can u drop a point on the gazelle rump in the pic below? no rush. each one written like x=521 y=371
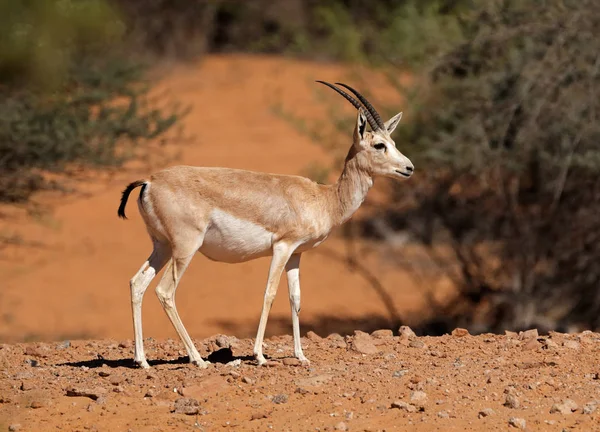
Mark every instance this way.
x=233 y=215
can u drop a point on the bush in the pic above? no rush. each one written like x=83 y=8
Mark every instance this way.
x=68 y=93
x=505 y=141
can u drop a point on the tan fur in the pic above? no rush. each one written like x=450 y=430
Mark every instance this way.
x=236 y=215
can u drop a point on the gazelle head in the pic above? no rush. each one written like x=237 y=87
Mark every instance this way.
x=375 y=150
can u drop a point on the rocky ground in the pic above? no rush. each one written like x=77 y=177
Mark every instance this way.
x=377 y=382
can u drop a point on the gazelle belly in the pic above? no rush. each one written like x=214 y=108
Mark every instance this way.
x=232 y=240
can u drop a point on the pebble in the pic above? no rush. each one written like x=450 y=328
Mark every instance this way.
x=460 y=332
x=486 y=412
x=529 y=334
x=443 y=414
x=341 y=426
x=416 y=344
x=126 y=344
x=247 y=380
x=187 y=406
x=516 y=422
x=259 y=415
x=404 y=406
x=363 y=343
x=418 y=398
x=590 y=407
x=312 y=336
x=14 y=427
x=567 y=406
x=280 y=398
x=383 y=334
x=406 y=332
x=92 y=393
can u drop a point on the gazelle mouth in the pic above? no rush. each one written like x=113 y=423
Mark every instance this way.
x=404 y=174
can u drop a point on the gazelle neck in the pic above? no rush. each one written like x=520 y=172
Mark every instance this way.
x=351 y=188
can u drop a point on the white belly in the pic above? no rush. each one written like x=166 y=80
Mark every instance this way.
x=232 y=240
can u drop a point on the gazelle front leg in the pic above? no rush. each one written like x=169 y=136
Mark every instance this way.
x=281 y=254
x=293 y=277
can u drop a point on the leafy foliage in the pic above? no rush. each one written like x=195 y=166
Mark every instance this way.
x=68 y=94
x=506 y=136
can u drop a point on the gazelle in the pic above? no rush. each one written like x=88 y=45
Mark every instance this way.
x=233 y=215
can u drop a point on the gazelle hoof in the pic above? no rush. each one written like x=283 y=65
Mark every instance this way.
x=203 y=364
x=143 y=364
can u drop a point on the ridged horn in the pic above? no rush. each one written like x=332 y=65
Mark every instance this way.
x=368 y=106
x=355 y=103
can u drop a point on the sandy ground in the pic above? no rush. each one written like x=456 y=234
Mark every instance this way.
x=65 y=292
x=357 y=383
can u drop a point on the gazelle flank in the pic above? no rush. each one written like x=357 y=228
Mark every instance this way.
x=233 y=215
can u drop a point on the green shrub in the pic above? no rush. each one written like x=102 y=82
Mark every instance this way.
x=69 y=93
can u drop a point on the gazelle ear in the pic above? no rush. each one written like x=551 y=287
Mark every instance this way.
x=361 y=126
x=391 y=124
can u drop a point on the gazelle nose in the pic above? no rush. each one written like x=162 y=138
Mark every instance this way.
x=410 y=168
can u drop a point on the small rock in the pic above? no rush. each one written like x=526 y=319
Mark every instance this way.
x=126 y=344
x=510 y=334
x=460 y=332
x=516 y=422
x=260 y=415
x=341 y=426
x=37 y=403
x=64 y=344
x=104 y=373
x=443 y=414
x=567 y=406
x=528 y=334
x=363 y=343
x=404 y=406
x=291 y=361
x=14 y=427
x=93 y=393
x=590 y=407
x=222 y=341
x=312 y=336
x=383 y=334
x=234 y=363
x=34 y=352
x=116 y=380
x=187 y=406
x=247 y=380
x=418 y=398
x=416 y=344
x=151 y=393
x=406 y=332
x=530 y=345
x=400 y=373
x=572 y=344
x=280 y=398
x=486 y=412
x=512 y=401
x=335 y=336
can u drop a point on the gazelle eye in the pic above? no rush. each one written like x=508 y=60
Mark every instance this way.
x=380 y=146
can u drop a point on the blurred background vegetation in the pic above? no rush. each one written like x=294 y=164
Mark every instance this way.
x=502 y=124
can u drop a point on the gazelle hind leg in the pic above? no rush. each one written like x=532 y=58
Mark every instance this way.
x=281 y=254
x=293 y=277
x=166 y=295
x=138 y=285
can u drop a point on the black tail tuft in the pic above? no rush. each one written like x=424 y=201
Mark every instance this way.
x=125 y=197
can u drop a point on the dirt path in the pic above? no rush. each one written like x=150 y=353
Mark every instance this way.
x=360 y=383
